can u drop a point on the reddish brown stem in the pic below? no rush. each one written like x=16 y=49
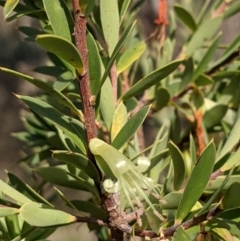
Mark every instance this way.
x=199 y=132
x=113 y=76
x=168 y=232
x=83 y=79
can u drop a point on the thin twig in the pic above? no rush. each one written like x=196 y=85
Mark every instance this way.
x=113 y=76
x=227 y=61
x=83 y=79
x=168 y=232
x=97 y=221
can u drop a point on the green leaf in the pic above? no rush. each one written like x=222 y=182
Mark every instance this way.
x=152 y=79
x=66 y=201
x=55 y=11
x=119 y=120
x=77 y=160
x=88 y=207
x=46 y=87
x=130 y=128
x=186 y=17
x=231 y=198
x=153 y=220
x=226 y=224
x=214 y=115
x=232 y=9
x=12 y=193
x=205 y=31
x=62 y=48
x=123 y=5
x=178 y=165
x=162 y=98
x=13 y=225
x=40 y=215
x=110 y=23
x=58 y=175
x=181 y=235
x=94 y=62
x=230 y=214
x=130 y=56
x=226 y=74
x=49 y=113
x=171 y=200
x=196 y=182
x=203 y=80
x=8 y=7
x=187 y=74
x=107 y=105
x=25 y=189
x=233 y=160
x=212 y=199
x=192 y=150
x=231 y=141
x=202 y=65
x=229 y=50
x=116 y=50
x=6 y=211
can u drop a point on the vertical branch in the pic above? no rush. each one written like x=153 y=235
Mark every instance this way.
x=83 y=79
x=199 y=132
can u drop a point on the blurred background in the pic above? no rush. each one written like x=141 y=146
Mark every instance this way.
x=22 y=56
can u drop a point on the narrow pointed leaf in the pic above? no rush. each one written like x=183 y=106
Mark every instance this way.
x=214 y=115
x=54 y=116
x=153 y=220
x=233 y=160
x=202 y=65
x=55 y=11
x=40 y=215
x=88 y=207
x=62 y=48
x=172 y=200
x=6 y=211
x=186 y=17
x=130 y=56
x=151 y=79
x=231 y=141
x=178 y=165
x=116 y=50
x=119 y=120
x=77 y=160
x=215 y=195
x=110 y=23
x=203 y=80
x=59 y=176
x=107 y=105
x=46 y=87
x=232 y=9
x=230 y=199
x=12 y=193
x=123 y=5
x=197 y=182
x=205 y=31
x=130 y=128
x=94 y=62
x=229 y=50
x=162 y=98
x=8 y=7
x=181 y=235
x=25 y=189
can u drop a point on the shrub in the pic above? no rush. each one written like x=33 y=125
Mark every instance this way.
x=85 y=131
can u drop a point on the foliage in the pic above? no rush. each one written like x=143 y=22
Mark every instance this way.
x=189 y=175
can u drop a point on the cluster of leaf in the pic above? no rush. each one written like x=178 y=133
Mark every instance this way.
x=179 y=93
